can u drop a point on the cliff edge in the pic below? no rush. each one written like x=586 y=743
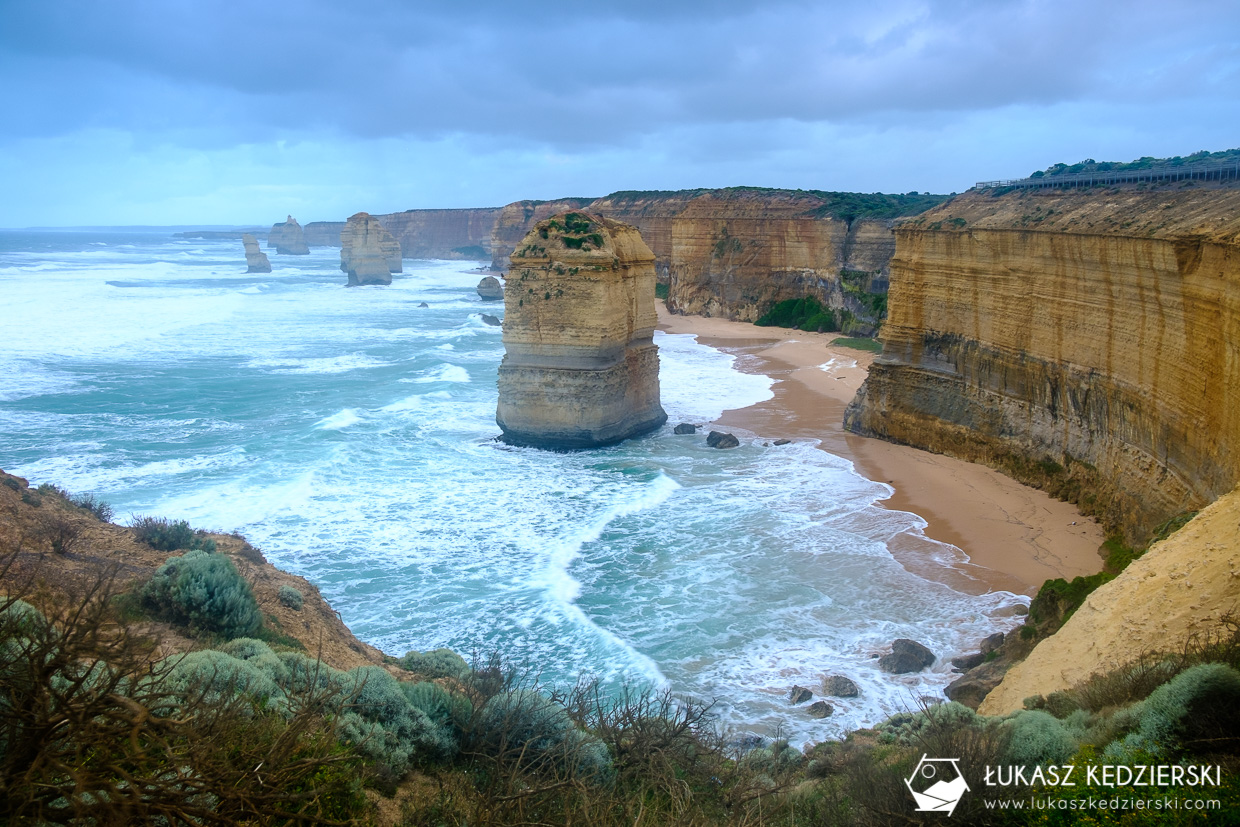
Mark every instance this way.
x=580 y=367
x=1086 y=341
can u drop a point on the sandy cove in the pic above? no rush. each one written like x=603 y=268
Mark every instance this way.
x=1012 y=537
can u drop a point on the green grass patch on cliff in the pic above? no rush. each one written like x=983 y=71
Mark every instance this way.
x=800 y=314
x=859 y=343
x=1147 y=162
x=660 y=291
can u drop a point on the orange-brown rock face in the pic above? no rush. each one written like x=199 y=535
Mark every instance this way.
x=288 y=239
x=256 y=260
x=733 y=253
x=513 y=221
x=580 y=367
x=369 y=253
x=444 y=234
x=1086 y=342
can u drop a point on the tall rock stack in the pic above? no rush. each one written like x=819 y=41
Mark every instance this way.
x=580 y=367
x=288 y=239
x=368 y=252
x=256 y=260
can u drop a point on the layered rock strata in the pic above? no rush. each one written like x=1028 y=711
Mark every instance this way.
x=255 y=259
x=513 y=222
x=1088 y=342
x=580 y=367
x=369 y=253
x=323 y=233
x=733 y=253
x=445 y=234
x=288 y=239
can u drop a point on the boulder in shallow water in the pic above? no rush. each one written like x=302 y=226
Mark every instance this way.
x=717 y=439
x=493 y=321
x=991 y=642
x=820 y=709
x=685 y=428
x=256 y=260
x=838 y=686
x=906 y=656
x=490 y=290
x=799 y=695
x=967 y=662
x=580 y=365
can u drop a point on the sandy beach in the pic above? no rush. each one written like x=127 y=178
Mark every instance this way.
x=1009 y=536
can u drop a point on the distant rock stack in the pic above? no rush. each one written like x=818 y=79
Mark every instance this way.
x=368 y=252
x=288 y=239
x=255 y=259
x=580 y=367
x=490 y=290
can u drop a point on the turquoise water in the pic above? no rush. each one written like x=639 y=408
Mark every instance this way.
x=349 y=434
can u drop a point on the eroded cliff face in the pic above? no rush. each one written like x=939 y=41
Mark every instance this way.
x=1086 y=342
x=256 y=260
x=444 y=234
x=514 y=221
x=733 y=253
x=370 y=255
x=288 y=239
x=323 y=233
x=1179 y=588
x=580 y=366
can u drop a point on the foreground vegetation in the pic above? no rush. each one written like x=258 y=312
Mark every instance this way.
x=101 y=724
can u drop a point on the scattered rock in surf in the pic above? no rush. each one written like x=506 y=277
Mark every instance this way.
x=991 y=642
x=423 y=304
x=964 y=664
x=490 y=290
x=685 y=428
x=906 y=656
x=838 y=686
x=799 y=695
x=715 y=439
x=491 y=320
x=782 y=441
x=819 y=709
x=972 y=687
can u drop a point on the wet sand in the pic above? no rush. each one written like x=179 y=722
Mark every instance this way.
x=1006 y=536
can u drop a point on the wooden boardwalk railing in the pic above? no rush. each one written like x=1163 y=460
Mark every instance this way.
x=1206 y=170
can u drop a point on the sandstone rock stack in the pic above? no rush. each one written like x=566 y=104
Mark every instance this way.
x=580 y=368
x=288 y=239
x=368 y=252
x=255 y=259
x=490 y=290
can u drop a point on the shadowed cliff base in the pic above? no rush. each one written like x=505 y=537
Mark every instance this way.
x=1084 y=341
x=580 y=368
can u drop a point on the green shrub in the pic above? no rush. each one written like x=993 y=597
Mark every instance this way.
x=906 y=728
x=382 y=723
x=802 y=314
x=215 y=676
x=442 y=707
x=95 y=506
x=163 y=534
x=310 y=675
x=439 y=663
x=1201 y=705
x=526 y=726
x=1037 y=737
x=290 y=597
x=205 y=593
x=260 y=655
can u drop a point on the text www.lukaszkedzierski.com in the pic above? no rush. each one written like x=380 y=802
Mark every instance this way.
x=1036 y=803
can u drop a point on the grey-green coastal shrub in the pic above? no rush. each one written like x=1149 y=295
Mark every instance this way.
x=382 y=723
x=439 y=663
x=528 y=724
x=290 y=597
x=1202 y=703
x=217 y=677
x=907 y=728
x=163 y=534
x=1037 y=737
x=446 y=709
x=205 y=593
x=259 y=654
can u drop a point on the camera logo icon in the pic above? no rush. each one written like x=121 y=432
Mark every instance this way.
x=937 y=784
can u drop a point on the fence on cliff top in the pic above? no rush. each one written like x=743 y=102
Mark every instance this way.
x=1206 y=170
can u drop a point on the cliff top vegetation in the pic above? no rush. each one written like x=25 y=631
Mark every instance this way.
x=1147 y=162
x=846 y=206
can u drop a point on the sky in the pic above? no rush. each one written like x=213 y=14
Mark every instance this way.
x=214 y=112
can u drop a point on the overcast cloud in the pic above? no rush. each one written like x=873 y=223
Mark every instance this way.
x=188 y=111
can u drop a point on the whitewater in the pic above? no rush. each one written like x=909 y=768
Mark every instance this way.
x=350 y=434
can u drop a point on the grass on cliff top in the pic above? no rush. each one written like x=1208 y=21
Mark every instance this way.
x=846 y=206
x=1090 y=165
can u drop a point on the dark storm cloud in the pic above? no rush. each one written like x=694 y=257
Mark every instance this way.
x=582 y=74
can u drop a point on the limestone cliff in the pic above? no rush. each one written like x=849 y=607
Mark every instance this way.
x=1179 y=588
x=323 y=233
x=733 y=253
x=446 y=234
x=369 y=253
x=288 y=239
x=1086 y=341
x=256 y=260
x=580 y=366
x=513 y=222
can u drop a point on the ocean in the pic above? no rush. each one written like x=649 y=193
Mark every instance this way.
x=350 y=434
